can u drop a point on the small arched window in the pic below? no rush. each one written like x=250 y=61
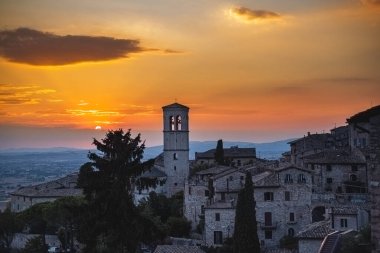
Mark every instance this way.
x=178 y=123
x=171 y=123
x=175 y=156
x=353 y=177
x=291 y=232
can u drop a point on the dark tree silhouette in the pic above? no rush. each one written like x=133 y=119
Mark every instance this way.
x=245 y=234
x=112 y=221
x=9 y=225
x=219 y=153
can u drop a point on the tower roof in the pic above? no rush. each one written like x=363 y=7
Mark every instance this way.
x=175 y=105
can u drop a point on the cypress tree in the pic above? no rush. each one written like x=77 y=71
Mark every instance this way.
x=219 y=153
x=246 y=239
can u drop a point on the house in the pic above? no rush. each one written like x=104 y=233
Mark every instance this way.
x=340 y=171
x=283 y=201
x=234 y=155
x=25 y=197
x=365 y=134
x=311 y=237
x=308 y=145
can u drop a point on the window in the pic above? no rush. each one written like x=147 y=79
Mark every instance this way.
x=364 y=142
x=223 y=196
x=175 y=167
x=217 y=216
x=171 y=123
x=288 y=179
x=268 y=219
x=343 y=223
x=291 y=232
x=241 y=178
x=287 y=196
x=353 y=177
x=218 y=237
x=301 y=179
x=268 y=234
x=207 y=193
x=189 y=190
x=175 y=156
x=328 y=167
x=175 y=184
x=178 y=123
x=268 y=196
x=313 y=167
x=354 y=168
x=291 y=217
x=239 y=163
x=329 y=180
x=202 y=209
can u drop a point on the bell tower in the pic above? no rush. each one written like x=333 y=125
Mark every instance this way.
x=176 y=146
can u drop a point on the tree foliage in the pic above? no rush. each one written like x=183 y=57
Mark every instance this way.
x=112 y=220
x=219 y=153
x=35 y=245
x=245 y=234
x=9 y=225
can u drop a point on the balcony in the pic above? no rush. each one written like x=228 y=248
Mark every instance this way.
x=268 y=226
x=292 y=222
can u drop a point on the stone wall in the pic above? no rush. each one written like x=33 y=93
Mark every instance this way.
x=309 y=246
x=374 y=181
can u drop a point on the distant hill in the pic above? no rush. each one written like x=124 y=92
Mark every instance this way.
x=268 y=150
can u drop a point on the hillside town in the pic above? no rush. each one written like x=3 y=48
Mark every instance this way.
x=324 y=189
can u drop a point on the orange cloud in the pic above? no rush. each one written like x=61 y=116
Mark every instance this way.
x=14 y=95
x=371 y=2
x=249 y=14
x=29 y=46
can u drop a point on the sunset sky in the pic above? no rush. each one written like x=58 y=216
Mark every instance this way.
x=249 y=70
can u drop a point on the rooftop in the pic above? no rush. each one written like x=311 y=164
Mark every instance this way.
x=177 y=249
x=336 y=157
x=364 y=116
x=316 y=230
x=174 y=106
x=63 y=187
x=214 y=170
x=232 y=152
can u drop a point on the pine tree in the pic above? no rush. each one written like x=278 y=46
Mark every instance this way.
x=245 y=234
x=219 y=153
x=112 y=222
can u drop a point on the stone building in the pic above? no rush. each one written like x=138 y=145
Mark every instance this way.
x=365 y=129
x=311 y=237
x=341 y=171
x=341 y=137
x=283 y=201
x=308 y=145
x=234 y=155
x=25 y=197
x=197 y=194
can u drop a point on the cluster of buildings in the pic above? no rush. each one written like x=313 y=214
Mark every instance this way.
x=327 y=183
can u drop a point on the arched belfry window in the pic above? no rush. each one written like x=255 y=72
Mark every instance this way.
x=175 y=156
x=172 y=123
x=178 y=123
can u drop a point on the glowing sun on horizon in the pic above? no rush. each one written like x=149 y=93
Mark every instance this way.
x=98 y=128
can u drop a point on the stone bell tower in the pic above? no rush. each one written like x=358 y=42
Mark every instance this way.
x=176 y=146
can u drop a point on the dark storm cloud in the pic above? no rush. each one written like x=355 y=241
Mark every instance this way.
x=255 y=14
x=29 y=46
